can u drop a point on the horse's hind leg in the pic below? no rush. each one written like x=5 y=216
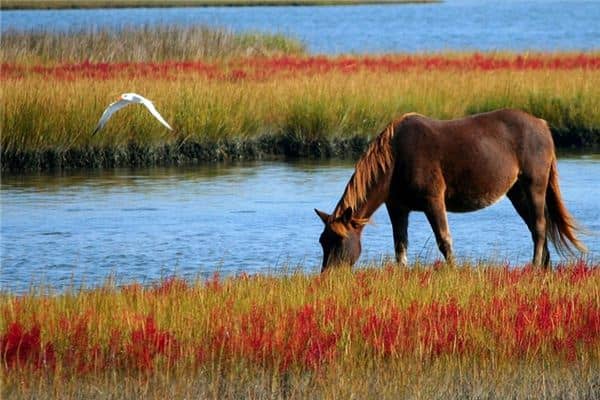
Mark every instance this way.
x=399 y=219
x=530 y=206
x=436 y=215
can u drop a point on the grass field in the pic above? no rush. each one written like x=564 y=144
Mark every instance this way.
x=232 y=96
x=61 y=4
x=293 y=106
x=475 y=331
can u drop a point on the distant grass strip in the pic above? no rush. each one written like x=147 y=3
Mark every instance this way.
x=222 y=67
x=475 y=331
x=141 y=44
x=223 y=111
x=69 y=4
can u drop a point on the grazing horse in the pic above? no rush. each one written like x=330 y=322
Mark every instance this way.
x=422 y=164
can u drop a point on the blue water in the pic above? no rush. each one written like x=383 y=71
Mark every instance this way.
x=80 y=227
x=454 y=24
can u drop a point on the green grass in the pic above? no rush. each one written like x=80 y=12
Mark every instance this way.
x=66 y=4
x=46 y=123
x=251 y=95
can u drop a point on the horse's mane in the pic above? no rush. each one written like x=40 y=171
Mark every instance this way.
x=375 y=163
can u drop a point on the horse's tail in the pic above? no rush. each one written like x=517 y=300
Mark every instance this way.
x=560 y=225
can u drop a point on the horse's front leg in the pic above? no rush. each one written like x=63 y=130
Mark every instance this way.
x=399 y=218
x=435 y=210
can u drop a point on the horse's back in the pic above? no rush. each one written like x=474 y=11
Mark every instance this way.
x=527 y=137
x=475 y=159
x=507 y=131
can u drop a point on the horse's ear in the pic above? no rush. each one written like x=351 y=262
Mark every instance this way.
x=323 y=215
x=347 y=215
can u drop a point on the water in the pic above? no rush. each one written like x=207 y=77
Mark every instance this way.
x=518 y=25
x=257 y=217
x=77 y=228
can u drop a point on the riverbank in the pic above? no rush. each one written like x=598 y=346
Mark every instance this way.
x=475 y=331
x=290 y=106
x=232 y=96
x=188 y=152
x=89 y=4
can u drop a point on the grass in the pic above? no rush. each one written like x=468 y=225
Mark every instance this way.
x=62 y=4
x=243 y=95
x=476 y=331
x=220 y=111
x=155 y=43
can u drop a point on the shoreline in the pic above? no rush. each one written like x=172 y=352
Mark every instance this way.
x=275 y=102
x=108 y=4
x=190 y=152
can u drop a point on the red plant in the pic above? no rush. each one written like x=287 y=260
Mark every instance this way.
x=21 y=348
x=147 y=342
x=294 y=339
x=82 y=355
x=386 y=334
x=305 y=342
x=431 y=329
x=261 y=68
x=579 y=272
x=214 y=283
x=513 y=324
x=170 y=285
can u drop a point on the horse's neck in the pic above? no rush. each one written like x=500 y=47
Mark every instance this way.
x=363 y=206
x=369 y=186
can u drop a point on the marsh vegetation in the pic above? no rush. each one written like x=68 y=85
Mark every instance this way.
x=429 y=331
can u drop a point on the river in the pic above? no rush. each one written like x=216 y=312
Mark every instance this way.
x=517 y=25
x=78 y=228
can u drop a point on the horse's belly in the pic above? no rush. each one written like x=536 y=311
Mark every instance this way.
x=472 y=196
x=466 y=204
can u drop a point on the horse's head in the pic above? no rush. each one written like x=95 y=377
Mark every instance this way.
x=340 y=238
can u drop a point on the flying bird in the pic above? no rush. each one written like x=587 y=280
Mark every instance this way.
x=124 y=100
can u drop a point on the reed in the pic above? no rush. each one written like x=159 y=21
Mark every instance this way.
x=136 y=44
x=475 y=331
x=62 y=4
x=222 y=111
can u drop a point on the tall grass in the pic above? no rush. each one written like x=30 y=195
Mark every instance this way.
x=156 y=43
x=58 y=4
x=229 y=96
x=476 y=331
x=279 y=113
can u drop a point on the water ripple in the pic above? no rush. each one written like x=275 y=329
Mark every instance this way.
x=196 y=232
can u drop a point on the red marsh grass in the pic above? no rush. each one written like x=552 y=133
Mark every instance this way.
x=264 y=68
x=245 y=95
x=423 y=332
x=55 y=108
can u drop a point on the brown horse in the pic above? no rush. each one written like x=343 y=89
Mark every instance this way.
x=422 y=164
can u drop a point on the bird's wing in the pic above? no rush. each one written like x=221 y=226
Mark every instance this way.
x=154 y=112
x=110 y=110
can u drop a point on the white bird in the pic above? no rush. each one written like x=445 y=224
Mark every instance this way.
x=124 y=100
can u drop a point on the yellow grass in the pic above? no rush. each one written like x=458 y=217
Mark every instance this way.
x=40 y=113
x=492 y=364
